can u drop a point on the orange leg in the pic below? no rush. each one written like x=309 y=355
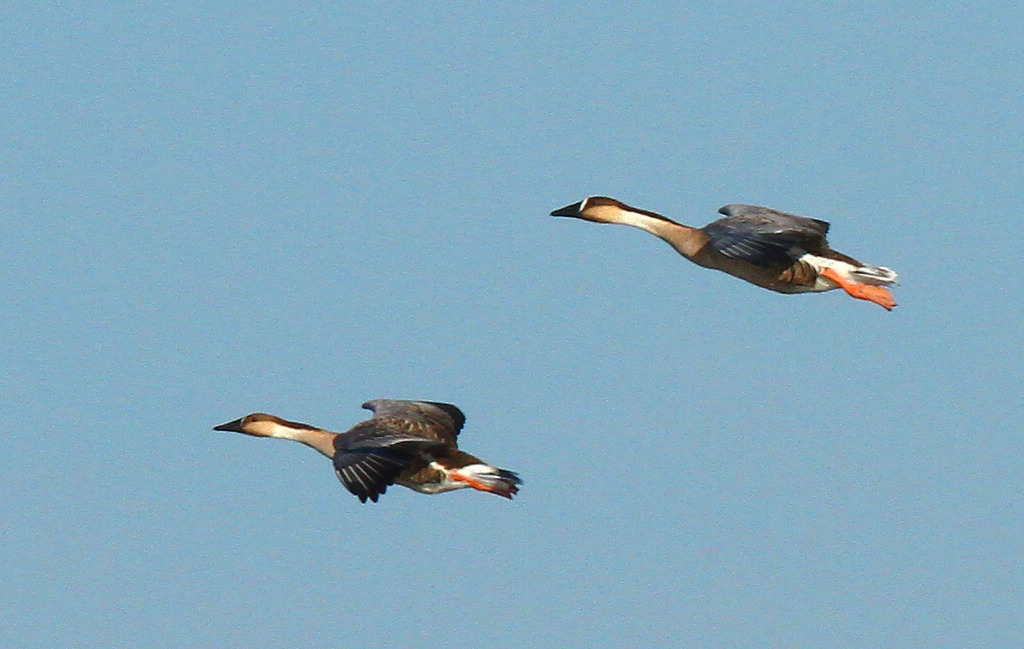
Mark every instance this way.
x=880 y=296
x=506 y=492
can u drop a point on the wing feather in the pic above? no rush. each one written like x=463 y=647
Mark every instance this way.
x=368 y=466
x=443 y=420
x=763 y=236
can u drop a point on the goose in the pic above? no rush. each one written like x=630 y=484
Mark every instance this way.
x=774 y=250
x=411 y=443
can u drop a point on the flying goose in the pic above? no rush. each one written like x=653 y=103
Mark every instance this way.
x=775 y=250
x=411 y=443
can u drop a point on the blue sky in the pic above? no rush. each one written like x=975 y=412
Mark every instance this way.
x=209 y=209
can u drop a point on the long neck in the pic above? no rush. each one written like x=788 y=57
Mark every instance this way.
x=686 y=240
x=321 y=440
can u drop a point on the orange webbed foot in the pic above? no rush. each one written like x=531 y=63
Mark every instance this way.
x=880 y=296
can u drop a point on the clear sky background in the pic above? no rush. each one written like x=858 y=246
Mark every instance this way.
x=208 y=209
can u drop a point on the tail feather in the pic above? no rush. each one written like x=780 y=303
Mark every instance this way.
x=874 y=275
x=488 y=478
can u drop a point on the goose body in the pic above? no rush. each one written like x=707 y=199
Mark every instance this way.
x=774 y=250
x=410 y=443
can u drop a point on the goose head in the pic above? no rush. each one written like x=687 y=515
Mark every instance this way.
x=599 y=209
x=259 y=424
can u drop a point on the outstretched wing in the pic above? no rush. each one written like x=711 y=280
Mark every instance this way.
x=441 y=421
x=368 y=459
x=763 y=236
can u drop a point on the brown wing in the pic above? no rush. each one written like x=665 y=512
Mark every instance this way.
x=372 y=454
x=763 y=236
x=426 y=419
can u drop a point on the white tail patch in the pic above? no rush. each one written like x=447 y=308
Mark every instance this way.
x=876 y=275
x=484 y=474
x=486 y=478
x=478 y=476
x=873 y=275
